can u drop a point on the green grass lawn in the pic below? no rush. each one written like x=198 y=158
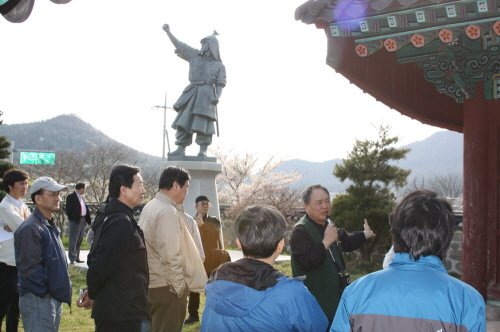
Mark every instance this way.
x=79 y=319
x=84 y=246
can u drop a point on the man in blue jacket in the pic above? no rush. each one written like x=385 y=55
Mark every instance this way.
x=415 y=293
x=41 y=261
x=249 y=294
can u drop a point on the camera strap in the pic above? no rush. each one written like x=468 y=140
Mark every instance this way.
x=341 y=258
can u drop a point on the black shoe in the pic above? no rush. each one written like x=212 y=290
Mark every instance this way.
x=78 y=261
x=191 y=320
x=72 y=263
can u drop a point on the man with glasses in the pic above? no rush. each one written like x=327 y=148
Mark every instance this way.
x=316 y=252
x=41 y=261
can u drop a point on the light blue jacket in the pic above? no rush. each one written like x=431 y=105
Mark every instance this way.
x=288 y=306
x=410 y=296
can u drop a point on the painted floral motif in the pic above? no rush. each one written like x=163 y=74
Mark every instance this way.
x=390 y=45
x=496 y=28
x=362 y=50
x=446 y=36
x=417 y=40
x=473 y=31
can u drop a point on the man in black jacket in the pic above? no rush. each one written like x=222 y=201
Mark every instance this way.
x=78 y=214
x=118 y=276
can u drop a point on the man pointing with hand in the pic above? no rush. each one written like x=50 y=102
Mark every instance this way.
x=315 y=253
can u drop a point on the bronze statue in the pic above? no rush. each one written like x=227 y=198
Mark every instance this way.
x=197 y=106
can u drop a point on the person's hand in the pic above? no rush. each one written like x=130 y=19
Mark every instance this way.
x=166 y=27
x=84 y=301
x=199 y=221
x=331 y=235
x=7 y=228
x=368 y=231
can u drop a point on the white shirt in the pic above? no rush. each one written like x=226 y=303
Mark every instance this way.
x=13 y=216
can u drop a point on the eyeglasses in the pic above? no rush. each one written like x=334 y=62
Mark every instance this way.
x=53 y=195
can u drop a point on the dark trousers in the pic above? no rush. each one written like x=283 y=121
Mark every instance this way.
x=133 y=325
x=194 y=304
x=76 y=231
x=9 y=297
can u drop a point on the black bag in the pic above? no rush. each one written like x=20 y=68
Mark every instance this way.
x=344 y=280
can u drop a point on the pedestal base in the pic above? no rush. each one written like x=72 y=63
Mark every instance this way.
x=202 y=182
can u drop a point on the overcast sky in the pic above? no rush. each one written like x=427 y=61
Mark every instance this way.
x=109 y=62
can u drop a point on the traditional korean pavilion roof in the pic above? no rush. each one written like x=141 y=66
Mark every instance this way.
x=451 y=45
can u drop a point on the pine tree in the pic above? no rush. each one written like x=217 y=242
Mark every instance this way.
x=370 y=166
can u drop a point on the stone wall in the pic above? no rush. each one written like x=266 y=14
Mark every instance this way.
x=453 y=260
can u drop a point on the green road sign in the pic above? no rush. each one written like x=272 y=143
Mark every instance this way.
x=38 y=158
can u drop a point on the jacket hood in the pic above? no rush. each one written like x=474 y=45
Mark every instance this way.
x=236 y=288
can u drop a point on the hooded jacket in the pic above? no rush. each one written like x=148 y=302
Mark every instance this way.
x=410 y=296
x=250 y=295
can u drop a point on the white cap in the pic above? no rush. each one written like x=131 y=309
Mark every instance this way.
x=46 y=183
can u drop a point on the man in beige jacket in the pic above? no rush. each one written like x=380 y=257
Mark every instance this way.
x=168 y=242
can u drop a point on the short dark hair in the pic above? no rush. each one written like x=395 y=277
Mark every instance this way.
x=121 y=175
x=259 y=229
x=422 y=224
x=306 y=194
x=173 y=174
x=38 y=192
x=79 y=186
x=12 y=176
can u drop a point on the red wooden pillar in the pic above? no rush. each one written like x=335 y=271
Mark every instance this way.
x=474 y=259
x=481 y=186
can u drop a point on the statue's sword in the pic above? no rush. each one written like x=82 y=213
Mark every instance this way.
x=216 y=113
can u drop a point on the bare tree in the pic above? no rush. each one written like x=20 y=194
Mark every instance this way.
x=91 y=166
x=243 y=183
x=66 y=171
x=99 y=162
x=151 y=178
x=447 y=185
x=450 y=186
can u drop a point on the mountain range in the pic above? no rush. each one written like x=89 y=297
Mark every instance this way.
x=439 y=154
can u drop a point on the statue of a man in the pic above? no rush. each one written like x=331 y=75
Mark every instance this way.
x=196 y=107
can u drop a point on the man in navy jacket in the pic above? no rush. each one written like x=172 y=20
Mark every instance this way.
x=41 y=261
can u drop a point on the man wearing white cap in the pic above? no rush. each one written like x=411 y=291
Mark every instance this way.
x=41 y=261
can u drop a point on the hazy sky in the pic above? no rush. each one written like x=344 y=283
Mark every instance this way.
x=109 y=62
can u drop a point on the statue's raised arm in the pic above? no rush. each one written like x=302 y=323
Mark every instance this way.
x=172 y=38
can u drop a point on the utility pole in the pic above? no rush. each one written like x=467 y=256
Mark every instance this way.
x=165 y=132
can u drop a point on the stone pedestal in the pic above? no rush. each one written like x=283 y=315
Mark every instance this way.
x=202 y=182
